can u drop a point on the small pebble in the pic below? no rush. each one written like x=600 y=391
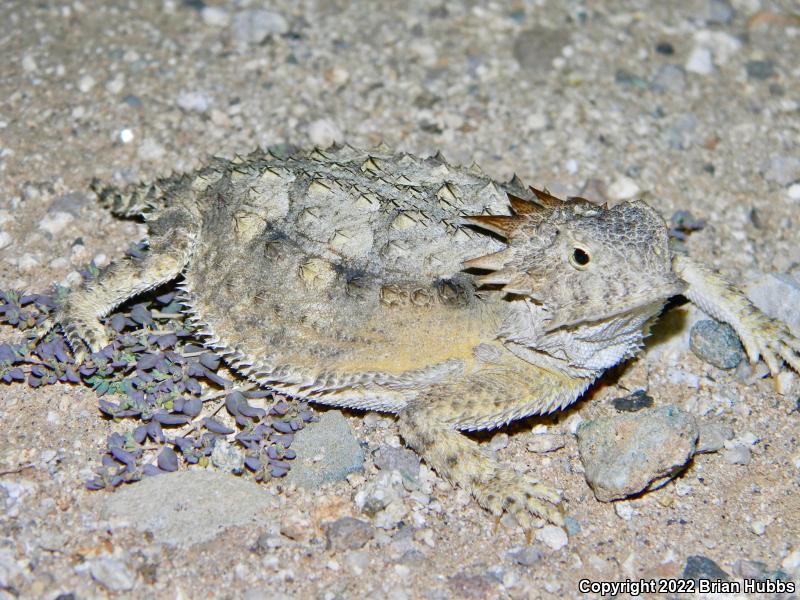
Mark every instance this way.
x=126 y=136
x=348 y=533
x=498 y=442
x=323 y=133
x=55 y=222
x=227 y=457
x=760 y=69
x=215 y=16
x=738 y=455
x=254 y=26
x=112 y=574
x=545 y=442
x=633 y=402
x=782 y=169
x=5 y=239
x=624 y=510
x=86 y=83
x=720 y=11
x=669 y=78
x=624 y=188
x=794 y=192
x=758 y=527
x=526 y=556
x=702 y=567
x=712 y=436
x=716 y=343
x=700 y=61
x=553 y=537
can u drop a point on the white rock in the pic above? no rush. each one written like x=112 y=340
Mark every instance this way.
x=29 y=64
x=624 y=188
x=86 y=83
x=215 y=16
x=126 y=136
x=498 y=442
x=624 y=510
x=323 y=133
x=546 y=442
x=794 y=192
x=792 y=562
x=54 y=222
x=116 y=85
x=758 y=527
x=5 y=239
x=721 y=44
x=553 y=537
x=700 y=61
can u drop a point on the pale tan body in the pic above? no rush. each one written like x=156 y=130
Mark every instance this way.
x=339 y=277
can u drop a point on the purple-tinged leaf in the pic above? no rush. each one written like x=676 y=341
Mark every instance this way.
x=95 y=484
x=150 y=470
x=123 y=456
x=171 y=419
x=215 y=426
x=168 y=460
x=193 y=407
x=140 y=434
x=213 y=377
x=252 y=463
x=210 y=361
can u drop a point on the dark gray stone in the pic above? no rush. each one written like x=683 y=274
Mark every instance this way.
x=716 y=343
x=388 y=458
x=720 y=12
x=526 y=556
x=348 y=533
x=702 y=567
x=633 y=402
x=760 y=69
x=669 y=79
x=332 y=439
x=625 y=454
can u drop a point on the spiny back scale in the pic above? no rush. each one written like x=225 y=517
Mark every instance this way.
x=331 y=264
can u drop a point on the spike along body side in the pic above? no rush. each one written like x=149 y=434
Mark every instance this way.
x=403 y=284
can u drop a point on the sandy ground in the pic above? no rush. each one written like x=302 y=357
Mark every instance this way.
x=693 y=103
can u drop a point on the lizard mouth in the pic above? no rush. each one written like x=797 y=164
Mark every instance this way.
x=649 y=300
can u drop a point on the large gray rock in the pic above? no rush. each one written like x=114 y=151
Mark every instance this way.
x=326 y=451
x=190 y=507
x=628 y=453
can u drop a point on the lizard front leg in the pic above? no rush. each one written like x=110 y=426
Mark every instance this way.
x=431 y=425
x=83 y=308
x=761 y=336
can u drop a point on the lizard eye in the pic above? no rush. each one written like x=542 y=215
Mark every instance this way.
x=579 y=258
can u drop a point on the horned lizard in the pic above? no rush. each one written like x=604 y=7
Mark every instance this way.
x=394 y=283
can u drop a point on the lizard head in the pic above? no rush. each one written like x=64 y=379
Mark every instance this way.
x=581 y=269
